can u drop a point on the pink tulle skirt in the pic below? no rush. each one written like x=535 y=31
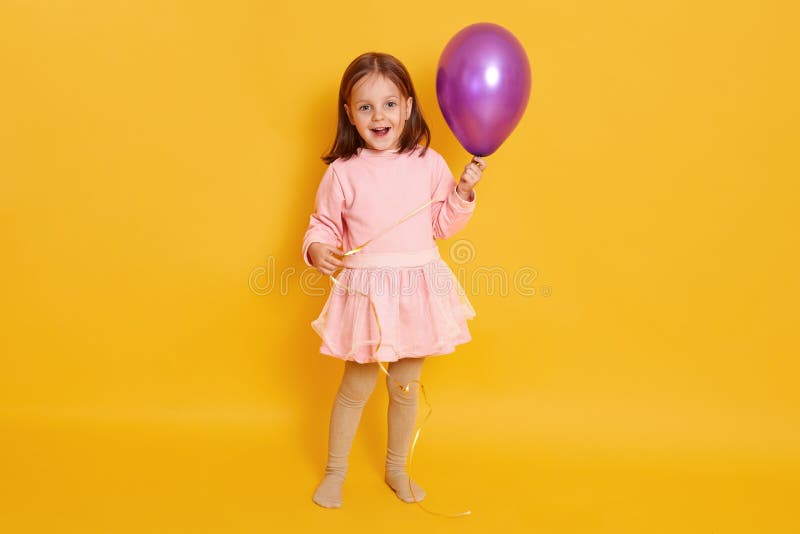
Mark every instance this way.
x=421 y=308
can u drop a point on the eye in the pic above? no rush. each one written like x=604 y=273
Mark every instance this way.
x=363 y=107
x=391 y=104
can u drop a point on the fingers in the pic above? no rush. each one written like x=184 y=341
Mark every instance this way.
x=332 y=257
x=472 y=171
x=330 y=263
x=328 y=268
x=471 y=176
x=478 y=162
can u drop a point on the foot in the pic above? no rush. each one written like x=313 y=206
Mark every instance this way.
x=329 y=492
x=398 y=481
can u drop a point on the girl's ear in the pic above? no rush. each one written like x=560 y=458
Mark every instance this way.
x=409 y=103
x=349 y=117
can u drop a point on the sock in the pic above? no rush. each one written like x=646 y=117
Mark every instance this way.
x=402 y=416
x=356 y=387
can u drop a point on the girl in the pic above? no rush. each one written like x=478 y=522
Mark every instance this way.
x=386 y=192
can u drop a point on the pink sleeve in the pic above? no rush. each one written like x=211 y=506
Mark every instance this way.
x=325 y=224
x=449 y=211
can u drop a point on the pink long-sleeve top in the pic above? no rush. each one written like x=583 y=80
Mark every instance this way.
x=360 y=197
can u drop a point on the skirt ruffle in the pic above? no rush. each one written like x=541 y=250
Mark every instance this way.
x=421 y=311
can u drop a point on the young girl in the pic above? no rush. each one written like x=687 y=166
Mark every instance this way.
x=401 y=302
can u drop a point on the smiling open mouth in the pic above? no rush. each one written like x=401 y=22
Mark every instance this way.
x=380 y=131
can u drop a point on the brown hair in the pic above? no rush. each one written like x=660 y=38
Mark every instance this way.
x=348 y=141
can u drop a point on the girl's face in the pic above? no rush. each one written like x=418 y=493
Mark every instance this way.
x=378 y=111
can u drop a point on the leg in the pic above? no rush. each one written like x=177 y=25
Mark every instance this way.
x=402 y=418
x=358 y=382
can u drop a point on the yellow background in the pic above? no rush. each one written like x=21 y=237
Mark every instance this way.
x=160 y=160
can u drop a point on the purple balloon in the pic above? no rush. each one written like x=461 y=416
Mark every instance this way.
x=483 y=83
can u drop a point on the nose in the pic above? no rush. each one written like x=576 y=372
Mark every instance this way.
x=377 y=114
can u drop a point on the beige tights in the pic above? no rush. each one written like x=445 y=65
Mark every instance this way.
x=357 y=385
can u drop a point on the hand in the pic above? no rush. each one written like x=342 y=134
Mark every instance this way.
x=323 y=257
x=470 y=177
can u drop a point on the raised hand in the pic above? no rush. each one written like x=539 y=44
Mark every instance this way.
x=470 y=177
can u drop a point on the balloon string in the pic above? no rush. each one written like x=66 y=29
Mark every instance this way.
x=401 y=219
x=404 y=388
